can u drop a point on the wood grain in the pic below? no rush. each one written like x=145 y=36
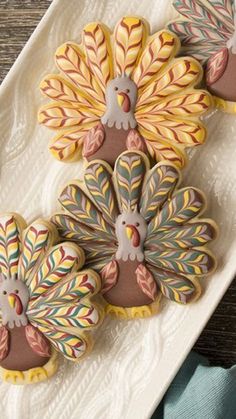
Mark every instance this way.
x=18 y=19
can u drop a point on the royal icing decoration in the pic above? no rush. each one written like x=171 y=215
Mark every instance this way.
x=44 y=300
x=124 y=91
x=207 y=30
x=139 y=231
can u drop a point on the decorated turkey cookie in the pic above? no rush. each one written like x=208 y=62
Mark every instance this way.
x=124 y=91
x=139 y=231
x=207 y=32
x=44 y=301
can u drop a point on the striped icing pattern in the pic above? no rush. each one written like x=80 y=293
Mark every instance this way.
x=36 y=241
x=9 y=245
x=186 y=204
x=62 y=260
x=160 y=149
x=96 y=42
x=203 y=27
x=129 y=38
x=157 y=188
x=71 y=288
x=4 y=342
x=160 y=49
x=99 y=183
x=188 y=262
x=55 y=87
x=73 y=315
x=174 y=287
x=58 y=115
x=189 y=133
x=73 y=230
x=71 y=346
x=193 y=234
x=182 y=105
x=216 y=66
x=129 y=173
x=70 y=59
x=181 y=74
x=74 y=200
x=69 y=144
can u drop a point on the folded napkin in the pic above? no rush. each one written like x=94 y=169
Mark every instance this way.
x=200 y=392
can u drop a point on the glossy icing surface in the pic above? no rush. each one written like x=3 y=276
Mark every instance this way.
x=170 y=333
x=41 y=292
x=207 y=32
x=125 y=81
x=134 y=214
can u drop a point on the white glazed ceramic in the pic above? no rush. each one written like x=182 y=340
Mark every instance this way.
x=133 y=362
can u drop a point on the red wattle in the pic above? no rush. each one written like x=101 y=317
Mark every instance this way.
x=136 y=236
x=126 y=104
x=19 y=306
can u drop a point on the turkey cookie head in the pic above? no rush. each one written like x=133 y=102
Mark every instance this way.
x=121 y=97
x=143 y=235
x=207 y=29
x=14 y=298
x=131 y=231
x=124 y=91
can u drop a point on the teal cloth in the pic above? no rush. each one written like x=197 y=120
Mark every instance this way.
x=200 y=391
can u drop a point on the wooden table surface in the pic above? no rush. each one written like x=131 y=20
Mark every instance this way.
x=17 y=21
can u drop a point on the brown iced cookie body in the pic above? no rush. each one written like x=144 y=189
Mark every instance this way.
x=126 y=292
x=20 y=356
x=225 y=86
x=114 y=144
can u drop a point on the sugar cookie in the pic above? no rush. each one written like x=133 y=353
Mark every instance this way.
x=139 y=231
x=138 y=97
x=44 y=300
x=207 y=31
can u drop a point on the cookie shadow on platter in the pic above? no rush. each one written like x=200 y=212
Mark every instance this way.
x=212 y=169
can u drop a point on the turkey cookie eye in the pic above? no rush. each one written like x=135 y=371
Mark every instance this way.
x=137 y=96
x=147 y=239
x=216 y=44
x=50 y=285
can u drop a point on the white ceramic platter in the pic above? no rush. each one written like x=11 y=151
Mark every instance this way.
x=133 y=361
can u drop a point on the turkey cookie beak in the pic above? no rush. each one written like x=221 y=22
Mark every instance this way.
x=123 y=101
x=133 y=234
x=11 y=300
x=129 y=232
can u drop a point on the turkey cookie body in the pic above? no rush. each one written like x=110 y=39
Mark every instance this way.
x=117 y=141
x=124 y=91
x=207 y=32
x=44 y=301
x=223 y=85
x=142 y=234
